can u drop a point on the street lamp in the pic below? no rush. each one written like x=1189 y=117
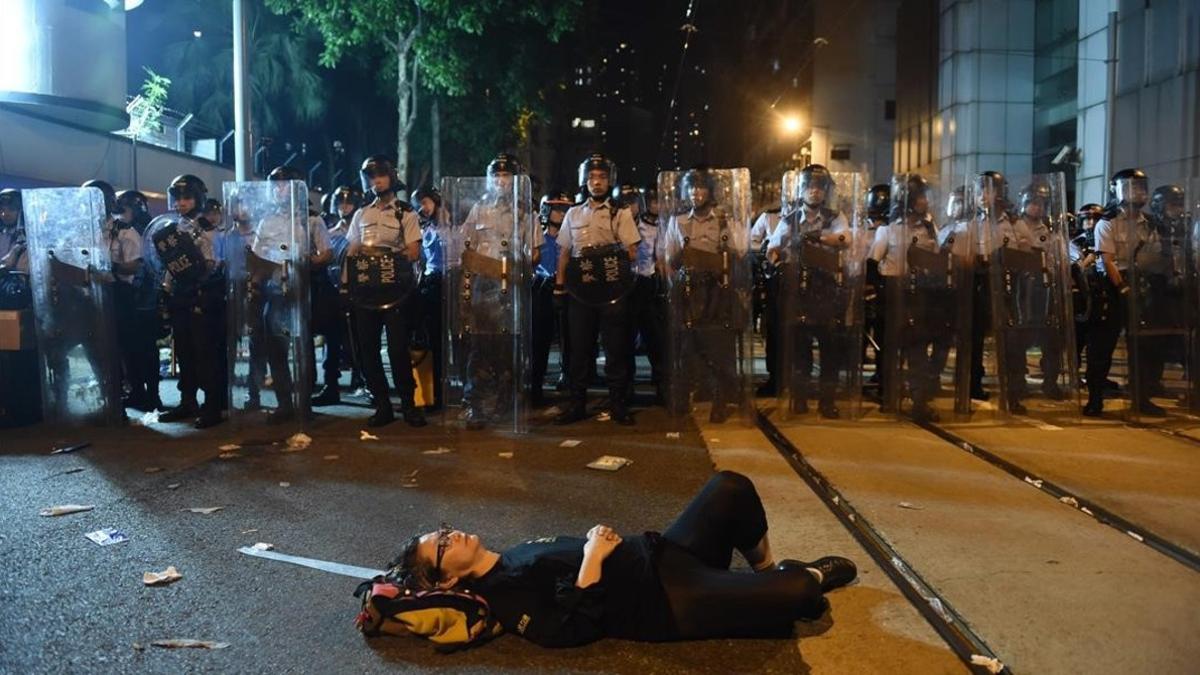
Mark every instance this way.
x=791 y=125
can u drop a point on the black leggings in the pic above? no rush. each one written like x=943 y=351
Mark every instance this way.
x=707 y=599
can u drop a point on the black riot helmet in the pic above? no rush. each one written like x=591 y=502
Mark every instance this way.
x=1090 y=213
x=555 y=200
x=1167 y=196
x=286 y=172
x=908 y=191
x=1129 y=186
x=137 y=203
x=1037 y=191
x=110 y=195
x=430 y=193
x=10 y=200
x=698 y=176
x=627 y=194
x=998 y=185
x=649 y=198
x=504 y=163
x=878 y=199
x=184 y=186
x=380 y=165
x=814 y=175
x=345 y=194
x=596 y=162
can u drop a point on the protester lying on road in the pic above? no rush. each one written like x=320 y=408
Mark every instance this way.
x=677 y=585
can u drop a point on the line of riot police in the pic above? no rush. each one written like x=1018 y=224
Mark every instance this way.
x=472 y=284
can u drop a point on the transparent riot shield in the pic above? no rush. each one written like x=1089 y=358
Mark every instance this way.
x=488 y=244
x=926 y=253
x=1030 y=279
x=705 y=249
x=267 y=248
x=71 y=279
x=820 y=274
x=1161 y=332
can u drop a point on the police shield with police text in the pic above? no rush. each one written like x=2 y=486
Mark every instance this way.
x=927 y=273
x=817 y=247
x=706 y=257
x=267 y=257
x=379 y=278
x=1031 y=289
x=185 y=252
x=598 y=243
x=71 y=276
x=487 y=299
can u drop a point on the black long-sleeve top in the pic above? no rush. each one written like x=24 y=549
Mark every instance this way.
x=532 y=592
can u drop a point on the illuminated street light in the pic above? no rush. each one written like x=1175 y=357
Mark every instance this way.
x=791 y=124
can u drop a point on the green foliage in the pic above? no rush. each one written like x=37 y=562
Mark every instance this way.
x=146 y=115
x=489 y=60
x=286 y=84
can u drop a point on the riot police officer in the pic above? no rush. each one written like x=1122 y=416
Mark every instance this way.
x=822 y=302
x=134 y=209
x=125 y=255
x=877 y=206
x=1119 y=231
x=387 y=228
x=12 y=232
x=646 y=300
x=598 y=230
x=1085 y=281
x=428 y=203
x=190 y=250
x=766 y=292
x=547 y=321
x=133 y=213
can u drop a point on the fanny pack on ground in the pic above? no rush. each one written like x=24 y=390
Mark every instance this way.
x=451 y=620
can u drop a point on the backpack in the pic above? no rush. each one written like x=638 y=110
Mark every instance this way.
x=451 y=619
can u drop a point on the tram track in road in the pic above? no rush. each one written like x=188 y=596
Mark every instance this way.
x=967 y=645
x=1071 y=498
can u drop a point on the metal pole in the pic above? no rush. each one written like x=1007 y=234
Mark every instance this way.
x=221 y=147
x=179 y=138
x=241 y=99
x=1110 y=101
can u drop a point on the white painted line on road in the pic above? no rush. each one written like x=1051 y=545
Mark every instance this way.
x=323 y=565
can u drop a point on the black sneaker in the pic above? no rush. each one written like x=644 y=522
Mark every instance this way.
x=208 y=419
x=413 y=416
x=1094 y=407
x=573 y=413
x=980 y=395
x=328 y=395
x=1053 y=392
x=475 y=419
x=1017 y=408
x=923 y=413
x=828 y=410
x=836 y=571
x=183 y=411
x=382 y=417
x=766 y=389
x=281 y=416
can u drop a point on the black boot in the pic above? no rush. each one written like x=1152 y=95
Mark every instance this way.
x=413 y=415
x=184 y=411
x=1095 y=403
x=383 y=416
x=575 y=412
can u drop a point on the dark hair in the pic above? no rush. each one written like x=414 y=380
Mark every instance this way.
x=411 y=571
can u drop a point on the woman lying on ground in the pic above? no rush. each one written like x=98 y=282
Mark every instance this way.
x=567 y=591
